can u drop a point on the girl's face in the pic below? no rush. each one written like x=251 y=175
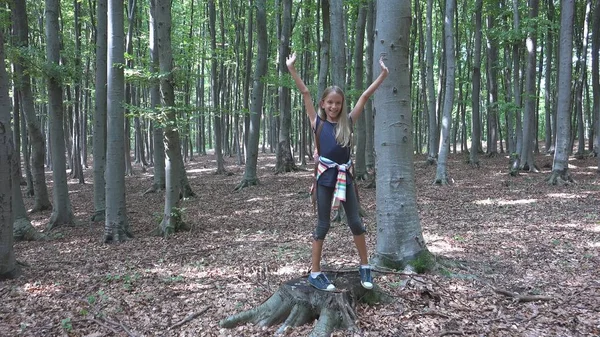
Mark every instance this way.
x=332 y=105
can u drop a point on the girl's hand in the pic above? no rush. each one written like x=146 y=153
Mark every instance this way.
x=384 y=68
x=290 y=60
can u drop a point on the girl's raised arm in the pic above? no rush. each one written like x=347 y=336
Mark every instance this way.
x=360 y=104
x=308 y=103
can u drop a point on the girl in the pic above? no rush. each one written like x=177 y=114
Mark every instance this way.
x=334 y=160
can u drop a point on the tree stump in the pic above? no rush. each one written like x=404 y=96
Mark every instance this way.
x=296 y=303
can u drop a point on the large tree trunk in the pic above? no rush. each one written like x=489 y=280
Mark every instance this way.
x=23 y=83
x=256 y=107
x=285 y=160
x=172 y=221
x=441 y=176
x=476 y=95
x=61 y=211
x=215 y=88
x=116 y=225
x=324 y=46
x=99 y=126
x=560 y=166
x=8 y=264
x=529 y=125
x=399 y=233
x=369 y=149
x=492 y=80
x=296 y=303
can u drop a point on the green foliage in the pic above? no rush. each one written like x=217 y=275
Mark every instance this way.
x=424 y=262
x=66 y=324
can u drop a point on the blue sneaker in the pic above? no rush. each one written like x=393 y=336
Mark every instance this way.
x=366 y=280
x=321 y=282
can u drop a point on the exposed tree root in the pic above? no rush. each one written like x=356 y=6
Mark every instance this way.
x=154 y=189
x=99 y=216
x=441 y=181
x=246 y=183
x=523 y=298
x=296 y=303
x=24 y=231
x=560 y=178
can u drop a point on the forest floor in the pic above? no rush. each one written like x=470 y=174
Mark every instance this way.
x=502 y=241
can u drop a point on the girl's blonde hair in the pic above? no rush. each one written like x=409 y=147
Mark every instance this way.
x=343 y=128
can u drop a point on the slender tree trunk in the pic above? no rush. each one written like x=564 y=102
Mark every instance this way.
x=492 y=72
x=23 y=82
x=285 y=160
x=116 y=226
x=361 y=131
x=216 y=88
x=369 y=147
x=560 y=166
x=548 y=87
x=581 y=81
x=250 y=177
x=158 y=133
x=61 y=211
x=338 y=62
x=441 y=176
x=399 y=233
x=596 y=78
x=529 y=132
x=432 y=141
x=172 y=220
x=99 y=126
x=8 y=264
x=324 y=46
x=476 y=95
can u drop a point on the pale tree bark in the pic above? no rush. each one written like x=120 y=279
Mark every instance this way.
x=256 y=107
x=129 y=88
x=77 y=166
x=23 y=83
x=338 y=60
x=172 y=218
x=441 y=175
x=581 y=81
x=548 y=84
x=596 y=78
x=492 y=80
x=476 y=95
x=8 y=264
x=325 y=46
x=399 y=233
x=515 y=135
x=99 y=126
x=560 y=166
x=158 y=183
x=369 y=150
x=360 y=165
x=526 y=158
x=432 y=141
x=215 y=88
x=116 y=226
x=61 y=210
x=285 y=160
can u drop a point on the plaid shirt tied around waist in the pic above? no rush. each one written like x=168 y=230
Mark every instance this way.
x=339 y=194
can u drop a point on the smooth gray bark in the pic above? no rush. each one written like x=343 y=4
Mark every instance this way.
x=99 y=126
x=159 y=181
x=172 y=217
x=529 y=126
x=215 y=88
x=560 y=166
x=116 y=226
x=432 y=141
x=369 y=150
x=324 y=46
x=285 y=160
x=476 y=95
x=61 y=210
x=548 y=82
x=492 y=80
x=8 y=263
x=338 y=51
x=596 y=78
x=360 y=165
x=399 y=233
x=441 y=175
x=23 y=83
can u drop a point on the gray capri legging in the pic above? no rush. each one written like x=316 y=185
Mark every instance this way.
x=351 y=206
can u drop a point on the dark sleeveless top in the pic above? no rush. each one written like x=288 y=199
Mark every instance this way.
x=330 y=149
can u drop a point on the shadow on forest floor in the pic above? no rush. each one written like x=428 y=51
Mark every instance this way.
x=497 y=235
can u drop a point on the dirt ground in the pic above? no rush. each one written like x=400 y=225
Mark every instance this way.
x=518 y=258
